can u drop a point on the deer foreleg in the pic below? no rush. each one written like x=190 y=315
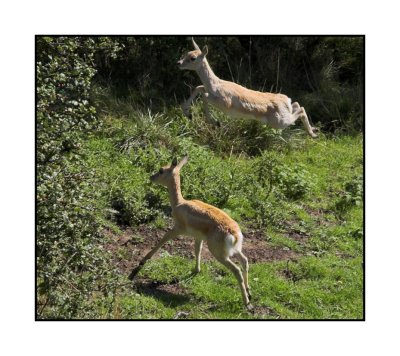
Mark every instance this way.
x=168 y=236
x=188 y=102
x=206 y=108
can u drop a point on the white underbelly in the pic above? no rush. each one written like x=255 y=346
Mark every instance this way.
x=198 y=235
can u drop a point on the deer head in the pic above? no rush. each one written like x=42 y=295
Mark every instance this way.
x=192 y=60
x=168 y=174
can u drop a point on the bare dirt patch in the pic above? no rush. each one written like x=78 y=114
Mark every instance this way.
x=263 y=312
x=133 y=244
x=257 y=249
x=299 y=236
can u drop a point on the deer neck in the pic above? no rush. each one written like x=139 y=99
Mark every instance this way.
x=175 y=195
x=207 y=76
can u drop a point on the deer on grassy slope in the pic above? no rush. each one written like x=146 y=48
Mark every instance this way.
x=277 y=110
x=204 y=222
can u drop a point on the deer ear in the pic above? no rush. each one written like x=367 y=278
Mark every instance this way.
x=174 y=162
x=204 y=52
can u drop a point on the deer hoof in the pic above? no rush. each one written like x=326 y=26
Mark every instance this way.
x=312 y=133
x=250 y=308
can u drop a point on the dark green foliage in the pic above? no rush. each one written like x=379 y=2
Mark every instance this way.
x=71 y=263
x=324 y=74
x=146 y=69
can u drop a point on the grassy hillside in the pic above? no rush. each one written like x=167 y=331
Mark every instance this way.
x=298 y=201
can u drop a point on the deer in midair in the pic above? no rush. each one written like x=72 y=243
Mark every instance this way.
x=204 y=222
x=277 y=110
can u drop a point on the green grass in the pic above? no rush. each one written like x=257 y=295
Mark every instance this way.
x=284 y=184
x=318 y=288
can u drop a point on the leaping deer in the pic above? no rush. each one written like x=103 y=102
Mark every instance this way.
x=204 y=222
x=277 y=110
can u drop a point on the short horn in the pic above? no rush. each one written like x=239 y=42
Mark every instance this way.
x=195 y=45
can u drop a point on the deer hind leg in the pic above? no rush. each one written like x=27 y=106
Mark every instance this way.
x=220 y=247
x=245 y=266
x=239 y=276
x=300 y=113
x=197 y=249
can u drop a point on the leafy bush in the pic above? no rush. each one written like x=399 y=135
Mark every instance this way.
x=71 y=263
x=134 y=201
x=293 y=182
x=353 y=194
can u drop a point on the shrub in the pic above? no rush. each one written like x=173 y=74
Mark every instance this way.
x=71 y=263
x=293 y=182
x=353 y=194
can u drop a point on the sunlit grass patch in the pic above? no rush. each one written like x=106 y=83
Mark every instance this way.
x=289 y=190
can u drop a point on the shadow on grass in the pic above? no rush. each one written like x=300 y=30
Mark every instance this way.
x=170 y=294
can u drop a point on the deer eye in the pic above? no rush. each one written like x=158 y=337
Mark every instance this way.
x=161 y=171
x=193 y=58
